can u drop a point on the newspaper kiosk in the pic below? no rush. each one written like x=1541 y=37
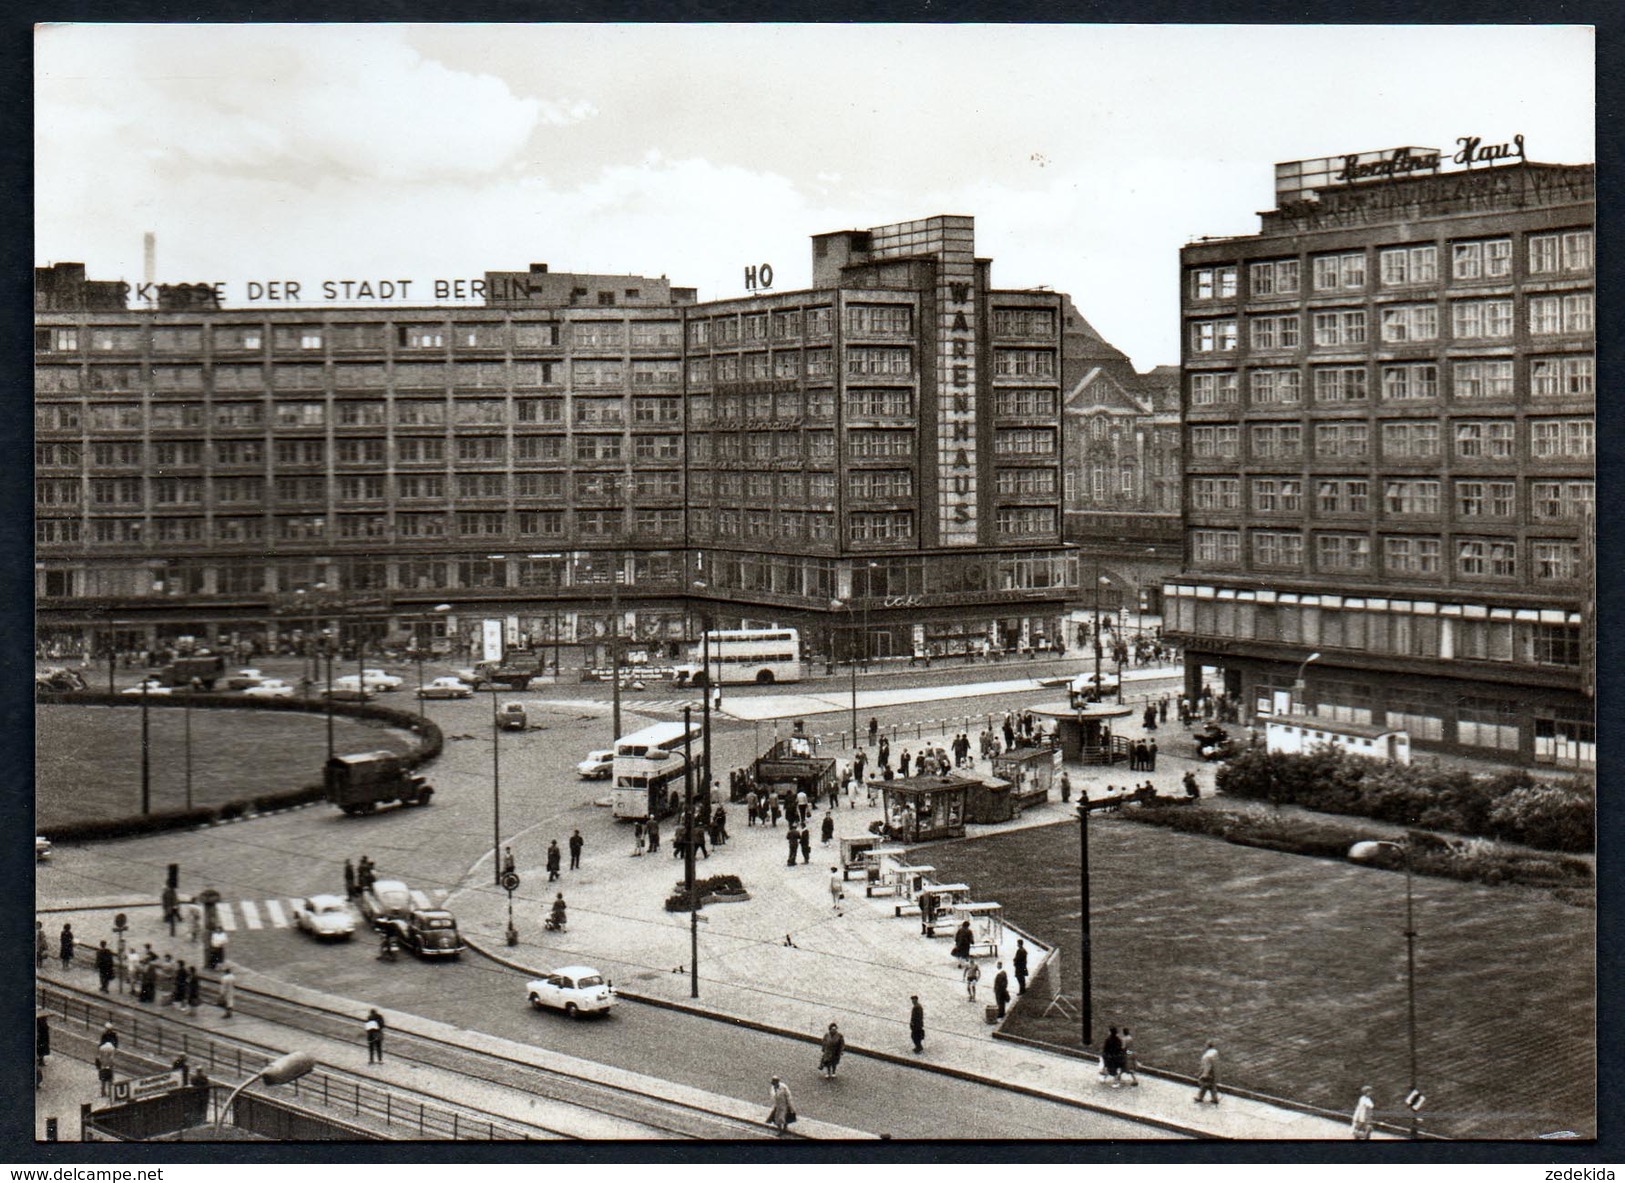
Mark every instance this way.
x=926 y=808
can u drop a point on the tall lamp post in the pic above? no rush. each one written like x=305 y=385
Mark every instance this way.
x=1086 y=1011
x=1099 y=581
x=868 y=592
x=615 y=643
x=852 y=660
x=1298 y=685
x=279 y=1071
x=327 y=653
x=689 y=826
x=146 y=749
x=705 y=689
x=496 y=788
x=1413 y=1100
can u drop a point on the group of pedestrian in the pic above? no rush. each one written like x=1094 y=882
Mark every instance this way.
x=1117 y=1059
x=798 y=839
x=645 y=834
x=359 y=877
x=1142 y=755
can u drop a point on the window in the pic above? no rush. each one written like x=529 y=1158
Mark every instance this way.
x=1212 y=389
x=359 y=413
x=787 y=325
x=1568 y=439
x=1342 y=326
x=1490 y=319
x=369 y=451
x=420 y=336
x=1339 y=272
x=1489 y=259
x=1221 y=442
x=479 y=484
x=1277 y=441
x=1026 y=482
x=1023 y=363
x=1023 y=322
x=539 y=410
x=1485 y=499
x=1486 y=558
x=877 y=320
x=870 y=404
x=1213 y=336
x=1208 y=283
x=420 y=488
x=1398 y=266
x=481 y=449
x=549 y=485
x=1274 y=332
x=656 y=334
x=1276 y=387
x=1410 y=322
x=1410 y=556
x=819 y=363
x=1342 y=552
x=1549 y=315
x=871 y=444
x=1410 y=440
x=233 y=452
x=186 y=340
x=414 y=450
x=481 y=523
x=300 y=451
x=1410 y=498
x=1562 y=500
x=1277 y=548
x=420 y=525
x=1561 y=377
x=1553 y=253
x=657 y=410
x=1485 y=439
x=1555 y=561
x=587 y=373
x=599 y=411
x=1010 y=441
x=657 y=447
x=1340 y=384
x=1277 y=495
x=1342 y=441
x=1410 y=383
x=1278 y=277
x=1485 y=379
x=360 y=488
x=1216 y=546
x=538 y=447
x=1215 y=493
x=1009 y=520
x=879 y=360
x=786 y=364
x=492 y=375
x=1342 y=495
x=1026 y=404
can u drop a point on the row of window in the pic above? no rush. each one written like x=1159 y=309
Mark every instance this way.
x=1404 y=497
x=1401 y=439
x=1336 y=328
x=402 y=412
x=1568 y=376
x=862 y=319
x=1550 y=560
x=1569 y=252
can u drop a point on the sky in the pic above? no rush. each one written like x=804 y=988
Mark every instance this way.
x=1088 y=154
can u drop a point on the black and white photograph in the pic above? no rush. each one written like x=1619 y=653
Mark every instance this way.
x=789 y=584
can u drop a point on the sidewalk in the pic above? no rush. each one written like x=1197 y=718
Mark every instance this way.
x=787 y=960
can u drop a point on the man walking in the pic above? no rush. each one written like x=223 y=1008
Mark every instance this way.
x=65 y=946
x=374 y=1028
x=554 y=858
x=1129 y=1062
x=228 y=991
x=1001 y=989
x=42 y=945
x=576 y=843
x=349 y=880
x=105 y=966
x=1364 y=1112
x=806 y=843
x=654 y=836
x=784 y=1109
x=1019 y=961
x=792 y=840
x=1111 y=1059
x=1207 y=1075
x=916 y=1023
x=172 y=908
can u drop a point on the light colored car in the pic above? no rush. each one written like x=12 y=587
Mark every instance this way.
x=1084 y=683
x=597 y=765
x=153 y=686
x=382 y=680
x=42 y=848
x=270 y=688
x=244 y=680
x=385 y=900
x=369 y=683
x=573 y=989
x=447 y=688
x=324 y=916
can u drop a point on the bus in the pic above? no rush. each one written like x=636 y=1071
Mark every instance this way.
x=760 y=655
x=647 y=769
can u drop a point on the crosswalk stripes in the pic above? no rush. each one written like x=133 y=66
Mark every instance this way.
x=274 y=911
x=278 y=913
x=251 y=914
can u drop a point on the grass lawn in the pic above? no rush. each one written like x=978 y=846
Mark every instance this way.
x=1295 y=967
x=88 y=758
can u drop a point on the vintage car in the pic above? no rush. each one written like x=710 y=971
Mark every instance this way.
x=447 y=688
x=245 y=679
x=1082 y=685
x=597 y=765
x=324 y=916
x=149 y=686
x=386 y=900
x=381 y=680
x=428 y=932
x=512 y=717
x=269 y=688
x=574 y=989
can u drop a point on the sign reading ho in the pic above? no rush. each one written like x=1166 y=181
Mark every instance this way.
x=759 y=276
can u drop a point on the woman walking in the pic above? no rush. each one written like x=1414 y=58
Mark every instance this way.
x=834 y=1045
x=784 y=1109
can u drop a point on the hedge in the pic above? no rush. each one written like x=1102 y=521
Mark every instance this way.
x=1512 y=806
x=713 y=885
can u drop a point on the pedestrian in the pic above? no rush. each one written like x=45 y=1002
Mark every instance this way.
x=1190 y=785
x=65 y=946
x=973 y=974
x=637 y=838
x=508 y=865
x=171 y=905
x=1001 y=989
x=773 y=810
x=228 y=994
x=883 y=749
x=1162 y=710
x=962 y=940
x=557 y=917
x=1019 y=963
x=837 y=888
x=106 y=1057
x=719 y=827
x=217 y=948
x=42 y=945
x=1066 y=788
x=1207 y=1075
x=653 y=831
x=194 y=923
x=833 y=1045
x=349 y=880
x=916 y=1023
x=1131 y=1063
x=827 y=830
x=750 y=808
x=1151 y=755
x=149 y=982
x=194 y=989
x=803 y=808
x=1111 y=1059
x=166 y=979
x=132 y=968
x=576 y=843
x=783 y=1110
x=792 y=839
x=364 y=874
x=105 y=966
x=554 y=858
x=874 y=730
x=178 y=996
x=806 y=844
x=1364 y=1111
x=374 y=1028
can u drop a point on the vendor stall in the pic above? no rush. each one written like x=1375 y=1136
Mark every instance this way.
x=926 y=808
x=986 y=923
x=1030 y=772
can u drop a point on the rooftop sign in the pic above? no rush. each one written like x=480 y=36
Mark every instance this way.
x=1299 y=180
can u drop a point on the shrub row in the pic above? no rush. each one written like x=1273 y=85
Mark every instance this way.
x=175 y=819
x=713 y=885
x=1512 y=806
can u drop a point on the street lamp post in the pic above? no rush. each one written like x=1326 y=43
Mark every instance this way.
x=327 y=653
x=690 y=824
x=615 y=643
x=1099 y=580
x=279 y=1071
x=852 y=656
x=496 y=788
x=1298 y=684
x=1086 y=1011
x=868 y=592
x=146 y=750
x=1359 y=850
x=191 y=689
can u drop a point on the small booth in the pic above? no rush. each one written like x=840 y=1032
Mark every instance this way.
x=903 y=880
x=1085 y=732
x=926 y=808
x=932 y=904
x=1030 y=771
x=1304 y=733
x=864 y=856
x=992 y=799
x=986 y=925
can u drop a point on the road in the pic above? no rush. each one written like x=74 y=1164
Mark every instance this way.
x=302 y=851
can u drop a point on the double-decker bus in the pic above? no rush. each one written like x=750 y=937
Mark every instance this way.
x=647 y=769
x=745 y=655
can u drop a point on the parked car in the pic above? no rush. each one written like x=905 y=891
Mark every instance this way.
x=512 y=717
x=270 y=688
x=152 y=685
x=597 y=765
x=42 y=848
x=324 y=916
x=574 y=989
x=1084 y=683
x=386 y=899
x=381 y=680
x=428 y=932
x=447 y=688
x=244 y=680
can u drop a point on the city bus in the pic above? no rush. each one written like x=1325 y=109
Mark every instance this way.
x=745 y=655
x=647 y=769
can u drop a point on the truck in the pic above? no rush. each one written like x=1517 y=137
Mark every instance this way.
x=203 y=669
x=514 y=671
x=361 y=782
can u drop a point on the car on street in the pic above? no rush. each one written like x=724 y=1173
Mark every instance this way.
x=370 y=684
x=42 y=848
x=428 y=932
x=269 y=688
x=152 y=685
x=447 y=688
x=386 y=900
x=574 y=989
x=512 y=717
x=324 y=916
x=382 y=680
x=597 y=765
x=1084 y=683
x=244 y=679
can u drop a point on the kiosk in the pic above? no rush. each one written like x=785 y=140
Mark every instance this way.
x=1085 y=731
x=926 y=808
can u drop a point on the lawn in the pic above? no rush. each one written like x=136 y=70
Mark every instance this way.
x=1295 y=967
x=88 y=758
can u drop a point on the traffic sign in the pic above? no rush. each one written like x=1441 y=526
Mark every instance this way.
x=510 y=881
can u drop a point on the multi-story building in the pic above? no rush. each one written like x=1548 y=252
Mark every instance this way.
x=881 y=451
x=1389 y=398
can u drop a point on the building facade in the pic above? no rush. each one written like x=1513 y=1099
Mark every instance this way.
x=876 y=456
x=1389 y=403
